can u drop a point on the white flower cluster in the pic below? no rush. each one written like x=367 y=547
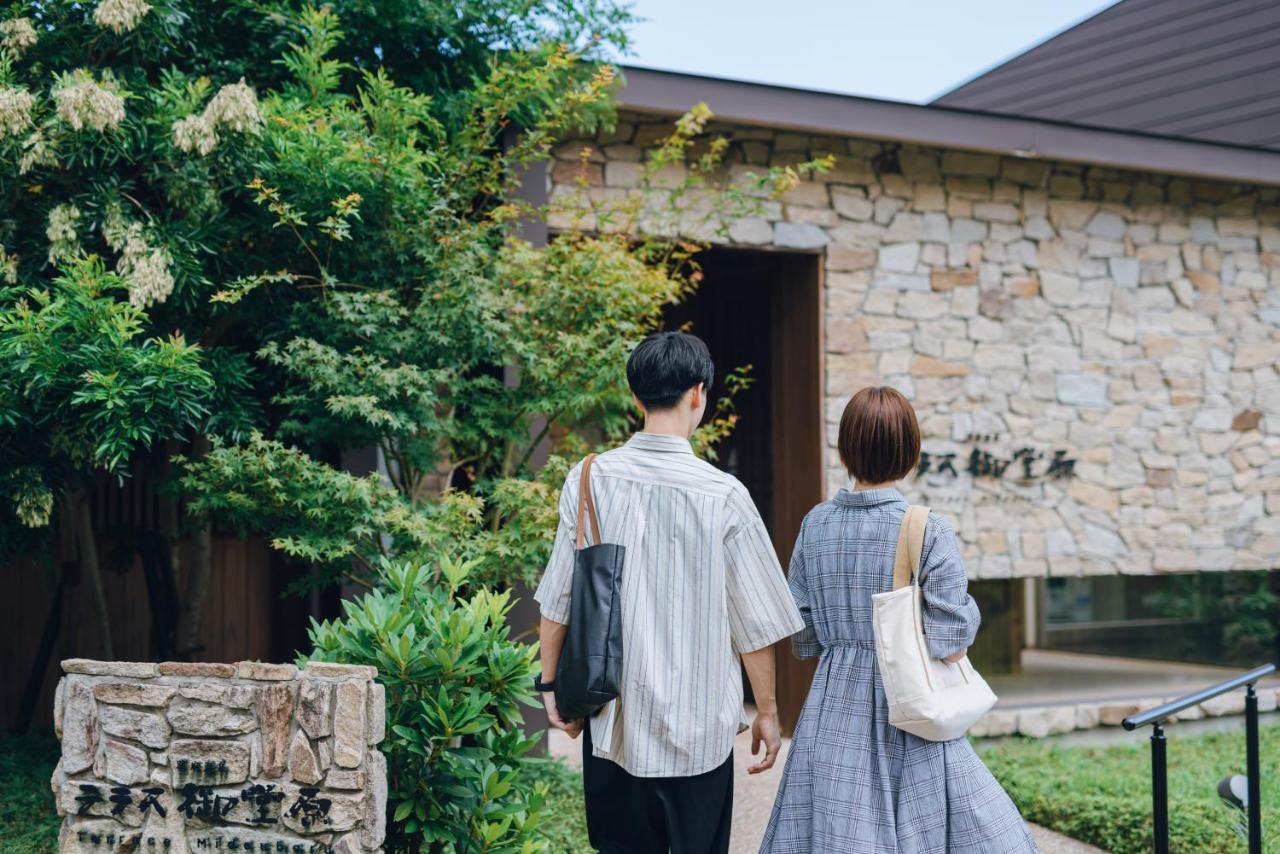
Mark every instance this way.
x=120 y=16
x=16 y=35
x=233 y=108
x=15 y=111
x=8 y=267
x=83 y=102
x=195 y=133
x=145 y=266
x=36 y=151
x=64 y=241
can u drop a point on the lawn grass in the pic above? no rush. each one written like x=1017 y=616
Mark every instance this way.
x=28 y=817
x=1103 y=795
x=564 y=823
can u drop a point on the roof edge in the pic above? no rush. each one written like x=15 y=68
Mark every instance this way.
x=789 y=108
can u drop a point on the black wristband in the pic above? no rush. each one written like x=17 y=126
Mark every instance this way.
x=543 y=687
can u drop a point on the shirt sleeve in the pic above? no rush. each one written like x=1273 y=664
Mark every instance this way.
x=804 y=643
x=556 y=587
x=951 y=616
x=761 y=610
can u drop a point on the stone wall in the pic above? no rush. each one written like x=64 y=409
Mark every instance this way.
x=182 y=758
x=1096 y=349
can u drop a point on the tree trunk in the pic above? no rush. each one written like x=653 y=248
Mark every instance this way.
x=187 y=634
x=76 y=505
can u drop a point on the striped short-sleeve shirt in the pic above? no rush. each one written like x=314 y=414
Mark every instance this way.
x=701 y=584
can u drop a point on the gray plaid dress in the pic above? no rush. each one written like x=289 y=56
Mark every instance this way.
x=853 y=783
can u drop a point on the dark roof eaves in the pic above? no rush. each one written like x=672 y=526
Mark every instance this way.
x=811 y=111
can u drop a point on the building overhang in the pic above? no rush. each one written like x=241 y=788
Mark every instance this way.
x=670 y=93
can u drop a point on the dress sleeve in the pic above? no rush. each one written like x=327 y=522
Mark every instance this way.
x=804 y=643
x=556 y=588
x=951 y=616
x=761 y=611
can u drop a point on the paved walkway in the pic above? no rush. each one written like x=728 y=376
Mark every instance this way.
x=753 y=798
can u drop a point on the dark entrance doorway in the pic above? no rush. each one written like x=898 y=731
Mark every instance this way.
x=764 y=309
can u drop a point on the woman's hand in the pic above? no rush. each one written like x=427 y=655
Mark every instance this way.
x=573 y=728
x=953 y=658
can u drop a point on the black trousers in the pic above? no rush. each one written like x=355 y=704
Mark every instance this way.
x=656 y=815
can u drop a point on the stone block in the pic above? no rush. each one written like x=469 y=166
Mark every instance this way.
x=349 y=733
x=1114 y=713
x=59 y=698
x=315 y=707
x=900 y=257
x=1224 y=704
x=150 y=728
x=1081 y=389
x=259 y=671
x=193 y=717
x=202 y=669
x=1256 y=354
x=124 y=763
x=130 y=694
x=751 y=231
x=799 y=236
x=843 y=258
x=1106 y=225
x=374 y=832
x=125 y=669
x=1088 y=715
x=345 y=778
x=1059 y=288
x=235 y=696
x=945 y=280
x=79 y=727
x=274 y=706
x=332 y=670
x=304 y=767
x=223 y=762
x=927 y=366
x=377 y=712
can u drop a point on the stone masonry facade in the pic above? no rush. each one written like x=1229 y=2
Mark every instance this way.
x=1093 y=352
x=182 y=758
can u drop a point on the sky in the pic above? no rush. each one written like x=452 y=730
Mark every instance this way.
x=904 y=50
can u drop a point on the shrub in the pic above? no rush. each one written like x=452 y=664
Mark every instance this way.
x=455 y=681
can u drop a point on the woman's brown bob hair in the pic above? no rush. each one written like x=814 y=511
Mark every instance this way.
x=879 y=436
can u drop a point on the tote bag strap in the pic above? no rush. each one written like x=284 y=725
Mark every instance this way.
x=906 y=559
x=587 y=506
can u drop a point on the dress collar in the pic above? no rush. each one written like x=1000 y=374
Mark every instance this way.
x=869 y=497
x=661 y=442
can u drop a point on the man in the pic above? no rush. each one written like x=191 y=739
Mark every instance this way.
x=701 y=587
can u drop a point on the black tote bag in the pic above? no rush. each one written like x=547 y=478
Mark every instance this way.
x=589 y=672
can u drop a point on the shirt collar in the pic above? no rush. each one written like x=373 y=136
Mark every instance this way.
x=869 y=497
x=661 y=442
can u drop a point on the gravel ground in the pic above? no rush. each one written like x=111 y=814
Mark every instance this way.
x=753 y=798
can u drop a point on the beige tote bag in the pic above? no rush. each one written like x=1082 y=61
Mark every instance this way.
x=927 y=697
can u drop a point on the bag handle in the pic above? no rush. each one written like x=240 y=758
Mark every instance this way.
x=906 y=559
x=587 y=505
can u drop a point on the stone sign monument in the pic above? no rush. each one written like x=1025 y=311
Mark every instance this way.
x=183 y=758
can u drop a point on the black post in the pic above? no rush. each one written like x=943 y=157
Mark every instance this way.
x=1252 y=767
x=1159 y=791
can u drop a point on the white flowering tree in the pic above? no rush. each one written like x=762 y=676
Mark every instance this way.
x=187 y=186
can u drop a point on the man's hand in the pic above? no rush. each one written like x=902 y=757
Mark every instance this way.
x=573 y=728
x=765 y=729
x=954 y=657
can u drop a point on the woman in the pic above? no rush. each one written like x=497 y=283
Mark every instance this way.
x=853 y=783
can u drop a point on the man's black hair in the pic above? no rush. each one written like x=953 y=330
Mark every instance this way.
x=665 y=365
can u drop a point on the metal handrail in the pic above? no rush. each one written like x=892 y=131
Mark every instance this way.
x=1159 y=713
x=1159 y=769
